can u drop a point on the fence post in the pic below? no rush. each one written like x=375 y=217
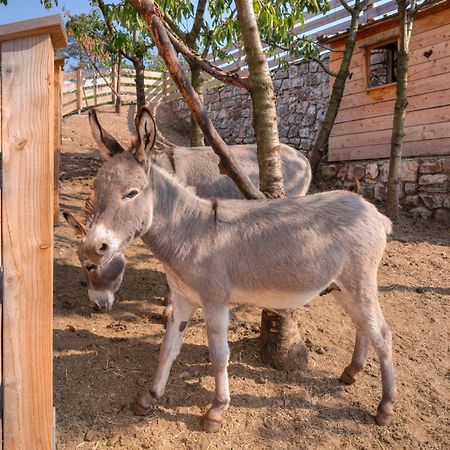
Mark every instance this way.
x=27 y=143
x=58 y=79
x=79 y=89
x=113 y=82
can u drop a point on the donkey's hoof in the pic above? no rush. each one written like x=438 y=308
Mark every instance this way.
x=347 y=378
x=209 y=425
x=385 y=415
x=143 y=403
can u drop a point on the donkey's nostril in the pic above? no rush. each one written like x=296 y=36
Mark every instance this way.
x=103 y=248
x=91 y=268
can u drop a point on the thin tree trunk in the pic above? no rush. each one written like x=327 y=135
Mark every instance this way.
x=280 y=343
x=401 y=103
x=265 y=121
x=321 y=142
x=151 y=15
x=140 y=83
x=118 y=99
x=197 y=139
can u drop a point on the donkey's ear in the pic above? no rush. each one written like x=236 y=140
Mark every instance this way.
x=74 y=224
x=146 y=129
x=107 y=145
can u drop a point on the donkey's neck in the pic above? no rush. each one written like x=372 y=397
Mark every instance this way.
x=180 y=218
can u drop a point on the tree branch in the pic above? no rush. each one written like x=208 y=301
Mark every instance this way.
x=347 y=6
x=325 y=68
x=150 y=13
x=192 y=36
x=194 y=58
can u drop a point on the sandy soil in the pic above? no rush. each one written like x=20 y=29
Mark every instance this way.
x=102 y=360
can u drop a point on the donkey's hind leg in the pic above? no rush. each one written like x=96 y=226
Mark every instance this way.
x=217 y=318
x=364 y=309
x=170 y=348
x=359 y=359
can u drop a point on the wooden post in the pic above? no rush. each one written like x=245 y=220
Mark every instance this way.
x=166 y=84
x=57 y=81
x=79 y=88
x=113 y=82
x=27 y=143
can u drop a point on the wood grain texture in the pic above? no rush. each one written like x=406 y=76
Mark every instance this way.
x=27 y=229
x=57 y=114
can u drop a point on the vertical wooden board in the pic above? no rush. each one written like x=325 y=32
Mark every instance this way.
x=57 y=81
x=27 y=227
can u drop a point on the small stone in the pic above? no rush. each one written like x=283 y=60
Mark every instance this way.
x=432 y=201
x=420 y=290
x=384 y=172
x=412 y=201
x=410 y=188
x=379 y=191
x=408 y=170
x=421 y=212
x=319 y=350
x=329 y=171
x=342 y=172
x=433 y=179
x=356 y=171
x=89 y=436
x=446 y=165
x=431 y=166
x=372 y=170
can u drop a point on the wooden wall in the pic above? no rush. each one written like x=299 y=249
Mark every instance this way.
x=364 y=122
x=27 y=198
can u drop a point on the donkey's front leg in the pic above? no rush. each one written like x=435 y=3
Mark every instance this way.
x=170 y=348
x=216 y=318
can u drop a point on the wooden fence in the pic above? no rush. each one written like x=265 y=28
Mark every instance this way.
x=29 y=105
x=81 y=92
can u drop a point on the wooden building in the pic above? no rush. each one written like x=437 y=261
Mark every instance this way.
x=364 y=123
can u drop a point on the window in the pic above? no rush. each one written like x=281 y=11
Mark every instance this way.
x=382 y=64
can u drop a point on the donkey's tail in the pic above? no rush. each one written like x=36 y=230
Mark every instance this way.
x=356 y=187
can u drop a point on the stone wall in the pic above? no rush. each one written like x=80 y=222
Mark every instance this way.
x=424 y=185
x=301 y=91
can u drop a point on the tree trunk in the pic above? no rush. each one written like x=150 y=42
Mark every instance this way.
x=140 y=83
x=321 y=143
x=118 y=103
x=401 y=103
x=280 y=342
x=265 y=122
x=197 y=139
x=149 y=11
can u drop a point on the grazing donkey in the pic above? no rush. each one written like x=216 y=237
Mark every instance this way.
x=196 y=167
x=276 y=254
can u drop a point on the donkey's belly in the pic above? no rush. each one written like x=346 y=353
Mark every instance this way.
x=272 y=299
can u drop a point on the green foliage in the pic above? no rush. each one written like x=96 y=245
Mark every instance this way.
x=220 y=30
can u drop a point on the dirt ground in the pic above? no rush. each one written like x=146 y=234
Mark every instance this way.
x=102 y=360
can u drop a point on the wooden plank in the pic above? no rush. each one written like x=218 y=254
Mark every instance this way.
x=69 y=87
x=418 y=87
x=152 y=74
x=57 y=114
x=27 y=228
x=68 y=109
x=52 y=25
x=434 y=147
x=415 y=103
x=413 y=118
x=431 y=131
x=70 y=76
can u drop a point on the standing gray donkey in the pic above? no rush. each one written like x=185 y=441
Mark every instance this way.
x=276 y=254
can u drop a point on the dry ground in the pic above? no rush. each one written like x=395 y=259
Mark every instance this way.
x=102 y=360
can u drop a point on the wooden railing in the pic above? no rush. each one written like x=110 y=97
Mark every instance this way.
x=79 y=93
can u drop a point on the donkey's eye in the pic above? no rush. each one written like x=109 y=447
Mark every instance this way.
x=131 y=194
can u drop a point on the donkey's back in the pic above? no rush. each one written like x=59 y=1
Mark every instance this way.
x=199 y=167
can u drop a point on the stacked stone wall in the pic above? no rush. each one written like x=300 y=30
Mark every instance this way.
x=424 y=183
x=301 y=95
